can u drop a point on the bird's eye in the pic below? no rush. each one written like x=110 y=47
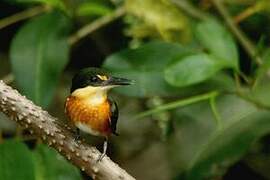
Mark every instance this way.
x=94 y=79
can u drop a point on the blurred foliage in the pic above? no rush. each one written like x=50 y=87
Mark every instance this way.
x=50 y=165
x=42 y=163
x=213 y=147
x=157 y=17
x=142 y=65
x=224 y=48
x=44 y=60
x=54 y=3
x=15 y=155
x=199 y=105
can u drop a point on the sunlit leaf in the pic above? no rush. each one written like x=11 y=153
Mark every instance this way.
x=218 y=41
x=262 y=5
x=145 y=65
x=16 y=161
x=191 y=69
x=159 y=16
x=93 y=9
x=39 y=53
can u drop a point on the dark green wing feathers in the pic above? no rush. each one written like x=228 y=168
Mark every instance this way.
x=114 y=116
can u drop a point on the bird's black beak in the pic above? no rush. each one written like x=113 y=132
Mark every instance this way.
x=116 y=81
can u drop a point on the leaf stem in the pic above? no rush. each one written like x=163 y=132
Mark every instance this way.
x=213 y=106
x=23 y=15
x=190 y=9
x=179 y=103
x=91 y=27
x=247 y=13
x=246 y=43
x=237 y=82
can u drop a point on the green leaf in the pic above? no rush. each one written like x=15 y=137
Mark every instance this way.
x=229 y=144
x=191 y=69
x=218 y=41
x=264 y=68
x=260 y=94
x=16 y=161
x=93 y=9
x=202 y=150
x=39 y=53
x=50 y=165
x=145 y=65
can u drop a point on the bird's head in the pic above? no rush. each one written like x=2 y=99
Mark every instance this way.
x=94 y=80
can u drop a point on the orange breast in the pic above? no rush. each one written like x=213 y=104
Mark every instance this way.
x=95 y=117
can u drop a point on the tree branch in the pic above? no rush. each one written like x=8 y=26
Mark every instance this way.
x=89 y=28
x=245 y=42
x=48 y=128
x=246 y=13
x=188 y=7
x=23 y=15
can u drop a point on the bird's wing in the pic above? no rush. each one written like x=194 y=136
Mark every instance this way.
x=114 y=116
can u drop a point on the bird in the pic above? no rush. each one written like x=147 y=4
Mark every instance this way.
x=89 y=108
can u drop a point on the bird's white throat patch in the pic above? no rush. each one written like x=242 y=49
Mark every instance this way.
x=92 y=95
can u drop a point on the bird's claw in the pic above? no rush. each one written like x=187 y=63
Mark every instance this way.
x=101 y=156
x=104 y=151
x=77 y=135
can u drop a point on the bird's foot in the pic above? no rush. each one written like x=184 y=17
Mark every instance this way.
x=77 y=135
x=101 y=156
x=105 y=144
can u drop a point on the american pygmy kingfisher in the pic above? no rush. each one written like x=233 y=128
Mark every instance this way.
x=88 y=106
